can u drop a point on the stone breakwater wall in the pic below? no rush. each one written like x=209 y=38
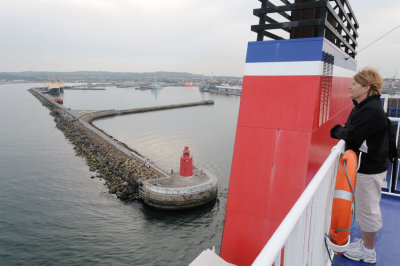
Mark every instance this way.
x=90 y=117
x=121 y=168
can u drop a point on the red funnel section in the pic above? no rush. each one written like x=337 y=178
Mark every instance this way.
x=294 y=91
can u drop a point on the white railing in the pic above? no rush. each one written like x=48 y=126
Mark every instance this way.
x=396 y=119
x=389 y=182
x=300 y=236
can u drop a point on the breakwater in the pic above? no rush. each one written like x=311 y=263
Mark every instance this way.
x=121 y=167
x=84 y=89
x=91 y=116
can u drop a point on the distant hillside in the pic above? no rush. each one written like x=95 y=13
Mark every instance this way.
x=43 y=75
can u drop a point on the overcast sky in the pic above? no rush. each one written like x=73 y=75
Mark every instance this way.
x=198 y=36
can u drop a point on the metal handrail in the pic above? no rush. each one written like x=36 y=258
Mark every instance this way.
x=274 y=246
x=393 y=178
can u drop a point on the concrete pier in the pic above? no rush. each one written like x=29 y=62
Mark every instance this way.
x=127 y=173
x=176 y=192
x=90 y=116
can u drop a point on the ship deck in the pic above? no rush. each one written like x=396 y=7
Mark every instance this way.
x=387 y=243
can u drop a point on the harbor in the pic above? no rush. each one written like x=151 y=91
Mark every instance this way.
x=128 y=174
x=138 y=133
x=54 y=193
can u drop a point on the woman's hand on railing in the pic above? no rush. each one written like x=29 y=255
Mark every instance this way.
x=338 y=132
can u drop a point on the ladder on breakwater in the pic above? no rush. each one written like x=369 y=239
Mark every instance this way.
x=142 y=194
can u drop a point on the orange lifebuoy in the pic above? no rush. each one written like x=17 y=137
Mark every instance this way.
x=343 y=198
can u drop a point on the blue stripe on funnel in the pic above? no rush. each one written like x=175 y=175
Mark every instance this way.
x=294 y=50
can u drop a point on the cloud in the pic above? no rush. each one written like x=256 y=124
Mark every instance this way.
x=199 y=36
x=205 y=37
x=376 y=19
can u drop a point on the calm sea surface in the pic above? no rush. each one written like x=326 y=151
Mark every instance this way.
x=53 y=213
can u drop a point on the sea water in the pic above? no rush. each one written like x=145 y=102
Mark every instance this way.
x=53 y=213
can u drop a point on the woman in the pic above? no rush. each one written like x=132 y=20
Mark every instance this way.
x=366 y=132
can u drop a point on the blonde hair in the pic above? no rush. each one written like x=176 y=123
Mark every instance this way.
x=370 y=77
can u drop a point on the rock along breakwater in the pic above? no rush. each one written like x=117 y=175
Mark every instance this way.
x=122 y=168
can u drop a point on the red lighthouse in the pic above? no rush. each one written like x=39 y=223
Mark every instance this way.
x=186 y=163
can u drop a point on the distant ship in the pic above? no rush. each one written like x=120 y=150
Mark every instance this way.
x=222 y=89
x=54 y=87
x=150 y=86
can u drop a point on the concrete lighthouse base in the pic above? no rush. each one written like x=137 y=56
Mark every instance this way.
x=177 y=193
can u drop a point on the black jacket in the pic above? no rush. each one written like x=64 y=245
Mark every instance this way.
x=367 y=122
